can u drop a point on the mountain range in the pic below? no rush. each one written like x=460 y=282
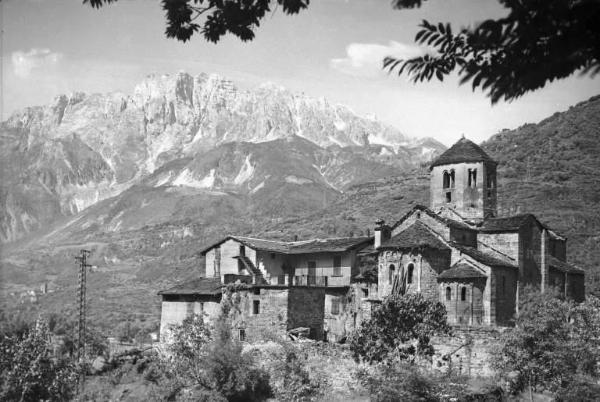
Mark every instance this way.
x=146 y=180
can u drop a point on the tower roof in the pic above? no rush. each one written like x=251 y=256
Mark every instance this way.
x=463 y=150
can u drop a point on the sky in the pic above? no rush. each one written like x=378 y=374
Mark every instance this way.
x=333 y=50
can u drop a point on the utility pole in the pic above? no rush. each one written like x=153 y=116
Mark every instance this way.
x=83 y=265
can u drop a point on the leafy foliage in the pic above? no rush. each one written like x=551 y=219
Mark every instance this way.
x=398 y=321
x=238 y=18
x=552 y=342
x=212 y=364
x=29 y=372
x=537 y=42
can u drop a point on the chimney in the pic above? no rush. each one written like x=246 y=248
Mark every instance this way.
x=382 y=233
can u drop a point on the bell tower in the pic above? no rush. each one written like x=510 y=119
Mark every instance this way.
x=463 y=179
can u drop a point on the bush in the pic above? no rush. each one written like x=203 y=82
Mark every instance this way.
x=403 y=326
x=28 y=371
x=211 y=361
x=398 y=382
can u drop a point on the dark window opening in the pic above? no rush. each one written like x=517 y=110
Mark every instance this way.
x=409 y=276
x=463 y=294
x=490 y=181
x=472 y=205
x=452 y=178
x=446 y=180
x=391 y=273
x=256 y=307
x=242 y=335
x=365 y=292
x=256 y=291
x=489 y=194
x=335 y=306
x=448 y=197
x=312 y=268
x=418 y=215
x=448 y=293
x=242 y=250
x=337 y=265
x=472 y=181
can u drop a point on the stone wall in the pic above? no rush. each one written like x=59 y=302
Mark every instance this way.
x=506 y=243
x=260 y=313
x=305 y=308
x=468 y=351
x=175 y=309
x=427 y=265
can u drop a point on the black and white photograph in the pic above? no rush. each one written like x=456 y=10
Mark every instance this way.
x=298 y=201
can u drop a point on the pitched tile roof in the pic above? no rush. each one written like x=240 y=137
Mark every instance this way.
x=564 y=266
x=505 y=224
x=337 y=244
x=200 y=286
x=447 y=221
x=462 y=151
x=461 y=271
x=484 y=258
x=513 y=224
x=415 y=236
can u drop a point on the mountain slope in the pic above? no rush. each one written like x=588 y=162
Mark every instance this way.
x=59 y=159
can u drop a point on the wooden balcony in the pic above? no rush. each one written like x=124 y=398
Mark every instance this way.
x=309 y=280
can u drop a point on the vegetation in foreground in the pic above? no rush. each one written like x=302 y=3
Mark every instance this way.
x=553 y=350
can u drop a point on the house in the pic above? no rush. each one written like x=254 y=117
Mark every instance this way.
x=286 y=285
x=461 y=253
x=457 y=251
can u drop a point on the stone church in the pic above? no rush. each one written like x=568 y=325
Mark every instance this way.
x=461 y=253
x=457 y=251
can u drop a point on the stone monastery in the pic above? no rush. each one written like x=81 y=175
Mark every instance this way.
x=457 y=251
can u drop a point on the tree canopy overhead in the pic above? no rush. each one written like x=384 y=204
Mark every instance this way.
x=537 y=42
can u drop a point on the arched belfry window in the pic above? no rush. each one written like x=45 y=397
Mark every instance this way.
x=448 y=293
x=472 y=180
x=410 y=271
x=391 y=273
x=452 y=176
x=463 y=294
x=446 y=179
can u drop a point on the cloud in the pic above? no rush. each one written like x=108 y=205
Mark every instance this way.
x=366 y=59
x=25 y=62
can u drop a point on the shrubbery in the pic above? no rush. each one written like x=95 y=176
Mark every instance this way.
x=554 y=345
x=402 y=326
x=29 y=372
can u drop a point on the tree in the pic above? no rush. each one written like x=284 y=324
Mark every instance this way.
x=539 y=41
x=29 y=372
x=554 y=343
x=403 y=325
x=212 y=365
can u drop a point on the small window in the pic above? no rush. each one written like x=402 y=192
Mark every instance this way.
x=365 y=292
x=242 y=250
x=256 y=307
x=256 y=291
x=446 y=180
x=335 y=306
x=448 y=196
x=448 y=293
x=463 y=294
x=337 y=266
x=242 y=335
x=189 y=309
x=391 y=273
x=409 y=276
x=418 y=215
x=452 y=178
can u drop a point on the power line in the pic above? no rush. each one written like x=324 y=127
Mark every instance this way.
x=81 y=298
